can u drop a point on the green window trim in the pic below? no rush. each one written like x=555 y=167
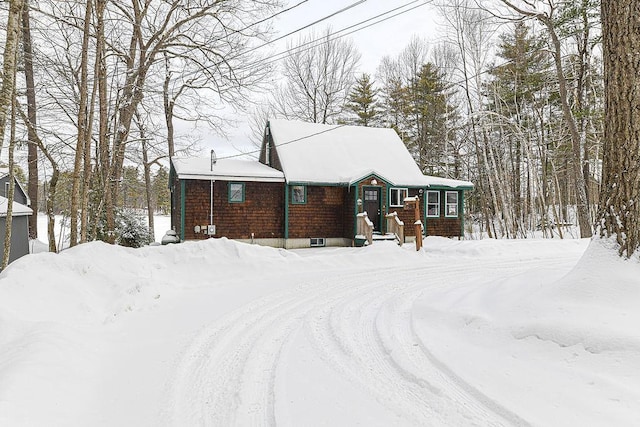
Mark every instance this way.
x=298 y=194
x=397 y=191
x=433 y=205
x=451 y=205
x=236 y=192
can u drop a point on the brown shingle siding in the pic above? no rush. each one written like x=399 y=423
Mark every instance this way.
x=261 y=213
x=323 y=215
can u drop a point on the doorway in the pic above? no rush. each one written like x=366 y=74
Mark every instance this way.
x=372 y=205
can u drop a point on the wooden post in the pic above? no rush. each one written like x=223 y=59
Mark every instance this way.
x=418 y=224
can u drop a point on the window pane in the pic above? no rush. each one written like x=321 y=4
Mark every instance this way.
x=432 y=210
x=397 y=196
x=236 y=191
x=452 y=210
x=433 y=197
x=452 y=197
x=297 y=194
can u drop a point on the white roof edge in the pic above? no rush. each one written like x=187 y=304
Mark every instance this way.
x=230 y=178
x=4 y=214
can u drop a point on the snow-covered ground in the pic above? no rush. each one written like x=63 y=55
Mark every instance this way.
x=528 y=332
x=162 y=223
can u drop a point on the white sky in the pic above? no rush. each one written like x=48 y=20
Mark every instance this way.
x=387 y=38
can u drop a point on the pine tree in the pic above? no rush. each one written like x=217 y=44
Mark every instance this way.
x=620 y=196
x=161 y=190
x=363 y=102
x=431 y=115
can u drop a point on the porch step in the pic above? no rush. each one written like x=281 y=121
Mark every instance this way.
x=380 y=236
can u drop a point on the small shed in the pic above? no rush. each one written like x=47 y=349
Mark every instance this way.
x=19 y=194
x=19 y=228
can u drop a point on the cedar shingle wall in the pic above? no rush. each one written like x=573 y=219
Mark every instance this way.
x=262 y=212
x=407 y=215
x=322 y=216
x=443 y=226
x=175 y=205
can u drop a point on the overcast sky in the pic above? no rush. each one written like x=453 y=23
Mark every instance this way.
x=385 y=38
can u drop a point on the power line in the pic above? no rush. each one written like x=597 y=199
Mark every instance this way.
x=344 y=9
x=284 y=143
x=326 y=39
x=270 y=17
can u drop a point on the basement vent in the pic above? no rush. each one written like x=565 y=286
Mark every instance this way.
x=317 y=242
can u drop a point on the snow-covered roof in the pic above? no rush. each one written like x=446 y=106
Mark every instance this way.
x=435 y=181
x=4 y=171
x=18 y=209
x=225 y=169
x=341 y=154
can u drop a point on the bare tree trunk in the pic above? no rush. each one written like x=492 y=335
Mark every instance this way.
x=147 y=176
x=82 y=127
x=32 y=156
x=103 y=159
x=11 y=192
x=168 y=107
x=8 y=96
x=51 y=192
x=9 y=66
x=619 y=215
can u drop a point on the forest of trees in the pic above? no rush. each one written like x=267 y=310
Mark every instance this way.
x=511 y=98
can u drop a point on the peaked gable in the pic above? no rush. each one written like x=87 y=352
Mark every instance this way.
x=341 y=154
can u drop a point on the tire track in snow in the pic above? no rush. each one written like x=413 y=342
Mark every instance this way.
x=352 y=343
x=400 y=371
x=360 y=322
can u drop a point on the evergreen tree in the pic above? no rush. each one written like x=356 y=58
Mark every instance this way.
x=362 y=101
x=431 y=116
x=161 y=190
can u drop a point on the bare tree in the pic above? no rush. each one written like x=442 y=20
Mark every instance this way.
x=317 y=79
x=8 y=98
x=83 y=123
x=546 y=15
x=32 y=188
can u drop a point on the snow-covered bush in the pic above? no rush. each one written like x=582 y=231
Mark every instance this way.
x=131 y=229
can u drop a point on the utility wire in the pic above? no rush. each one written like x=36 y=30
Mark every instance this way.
x=336 y=127
x=238 y=55
x=270 y=17
x=457 y=83
x=326 y=39
x=344 y=9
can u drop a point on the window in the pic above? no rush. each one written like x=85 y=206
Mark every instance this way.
x=397 y=196
x=433 y=204
x=317 y=242
x=451 y=205
x=298 y=194
x=236 y=192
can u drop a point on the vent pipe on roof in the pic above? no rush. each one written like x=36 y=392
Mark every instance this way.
x=214 y=159
x=267 y=147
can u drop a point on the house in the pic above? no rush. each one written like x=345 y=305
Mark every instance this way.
x=19 y=193
x=19 y=228
x=308 y=188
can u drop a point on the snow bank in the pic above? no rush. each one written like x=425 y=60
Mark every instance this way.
x=542 y=338
x=540 y=332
